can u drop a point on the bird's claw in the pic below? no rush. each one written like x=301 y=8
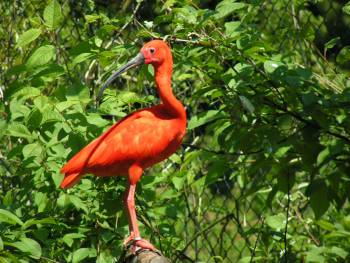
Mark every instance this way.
x=129 y=240
x=137 y=243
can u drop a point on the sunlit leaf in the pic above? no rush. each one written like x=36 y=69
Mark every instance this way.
x=19 y=130
x=276 y=222
x=8 y=217
x=41 y=56
x=53 y=15
x=331 y=43
x=28 y=37
x=83 y=253
x=29 y=246
x=226 y=7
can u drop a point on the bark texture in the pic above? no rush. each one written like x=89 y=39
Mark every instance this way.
x=146 y=256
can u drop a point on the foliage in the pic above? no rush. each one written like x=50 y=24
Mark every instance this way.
x=263 y=173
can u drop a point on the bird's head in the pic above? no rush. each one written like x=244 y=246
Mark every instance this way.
x=154 y=52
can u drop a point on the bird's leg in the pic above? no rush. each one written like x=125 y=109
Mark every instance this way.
x=135 y=173
x=131 y=237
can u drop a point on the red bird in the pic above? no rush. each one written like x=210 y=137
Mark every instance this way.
x=138 y=141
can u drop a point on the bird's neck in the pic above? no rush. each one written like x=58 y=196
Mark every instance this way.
x=172 y=105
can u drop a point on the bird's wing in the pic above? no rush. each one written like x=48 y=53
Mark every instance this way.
x=140 y=136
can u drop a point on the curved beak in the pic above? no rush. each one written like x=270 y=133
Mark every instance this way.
x=136 y=61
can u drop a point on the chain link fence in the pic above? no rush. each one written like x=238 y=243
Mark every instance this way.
x=228 y=217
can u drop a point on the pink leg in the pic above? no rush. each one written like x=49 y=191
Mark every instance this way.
x=131 y=237
x=135 y=173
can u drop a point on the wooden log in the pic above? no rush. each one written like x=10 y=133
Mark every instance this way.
x=146 y=256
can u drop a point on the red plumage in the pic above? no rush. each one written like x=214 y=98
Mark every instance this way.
x=138 y=141
x=145 y=137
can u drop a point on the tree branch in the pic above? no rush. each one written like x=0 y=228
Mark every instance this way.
x=144 y=256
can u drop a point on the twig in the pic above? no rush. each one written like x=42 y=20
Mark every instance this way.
x=48 y=259
x=257 y=239
x=222 y=152
x=5 y=164
x=206 y=229
x=131 y=18
x=300 y=218
x=270 y=103
x=1 y=92
x=287 y=216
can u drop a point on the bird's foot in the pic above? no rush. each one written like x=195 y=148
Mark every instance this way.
x=130 y=239
x=144 y=244
x=137 y=243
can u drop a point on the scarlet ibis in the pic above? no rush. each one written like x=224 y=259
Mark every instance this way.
x=138 y=141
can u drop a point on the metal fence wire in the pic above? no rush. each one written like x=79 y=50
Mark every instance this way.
x=231 y=226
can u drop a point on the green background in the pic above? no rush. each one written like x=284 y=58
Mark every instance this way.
x=263 y=174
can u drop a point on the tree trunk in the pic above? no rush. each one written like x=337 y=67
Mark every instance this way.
x=145 y=256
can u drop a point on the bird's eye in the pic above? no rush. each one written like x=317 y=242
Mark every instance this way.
x=152 y=50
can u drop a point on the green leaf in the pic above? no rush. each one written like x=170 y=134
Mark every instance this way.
x=33 y=120
x=232 y=28
x=41 y=56
x=57 y=178
x=344 y=55
x=92 y=18
x=319 y=200
x=97 y=120
x=339 y=252
x=104 y=257
x=282 y=151
x=346 y=8
x=64 y=105
x=276 y=222
x=323 y=155
x=78 y=92
x=53 y=15
x=270 y=66
x=331 y=43
x=31 y=150
x=1 y=245
x=18 y=110
x=246 y=103
x=314 y=256
x=245 y=260
x=204 y=118
x=31 y=222
x=216 y=169
x=28 y=37
x=83 y=253
x=78 y=203
x=227 y=7
x=19 y=130
x=69 y=238
x=8 y=217
x=63 y=200
x=41 y=200
x=27 y=92
x=178 y=182
x=29 y=246
x=82 y=57
x=326 y=225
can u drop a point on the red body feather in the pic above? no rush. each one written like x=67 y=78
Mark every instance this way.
x=145 y=137
x=142 y=138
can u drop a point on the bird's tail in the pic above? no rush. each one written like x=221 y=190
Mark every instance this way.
x=70 y=180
